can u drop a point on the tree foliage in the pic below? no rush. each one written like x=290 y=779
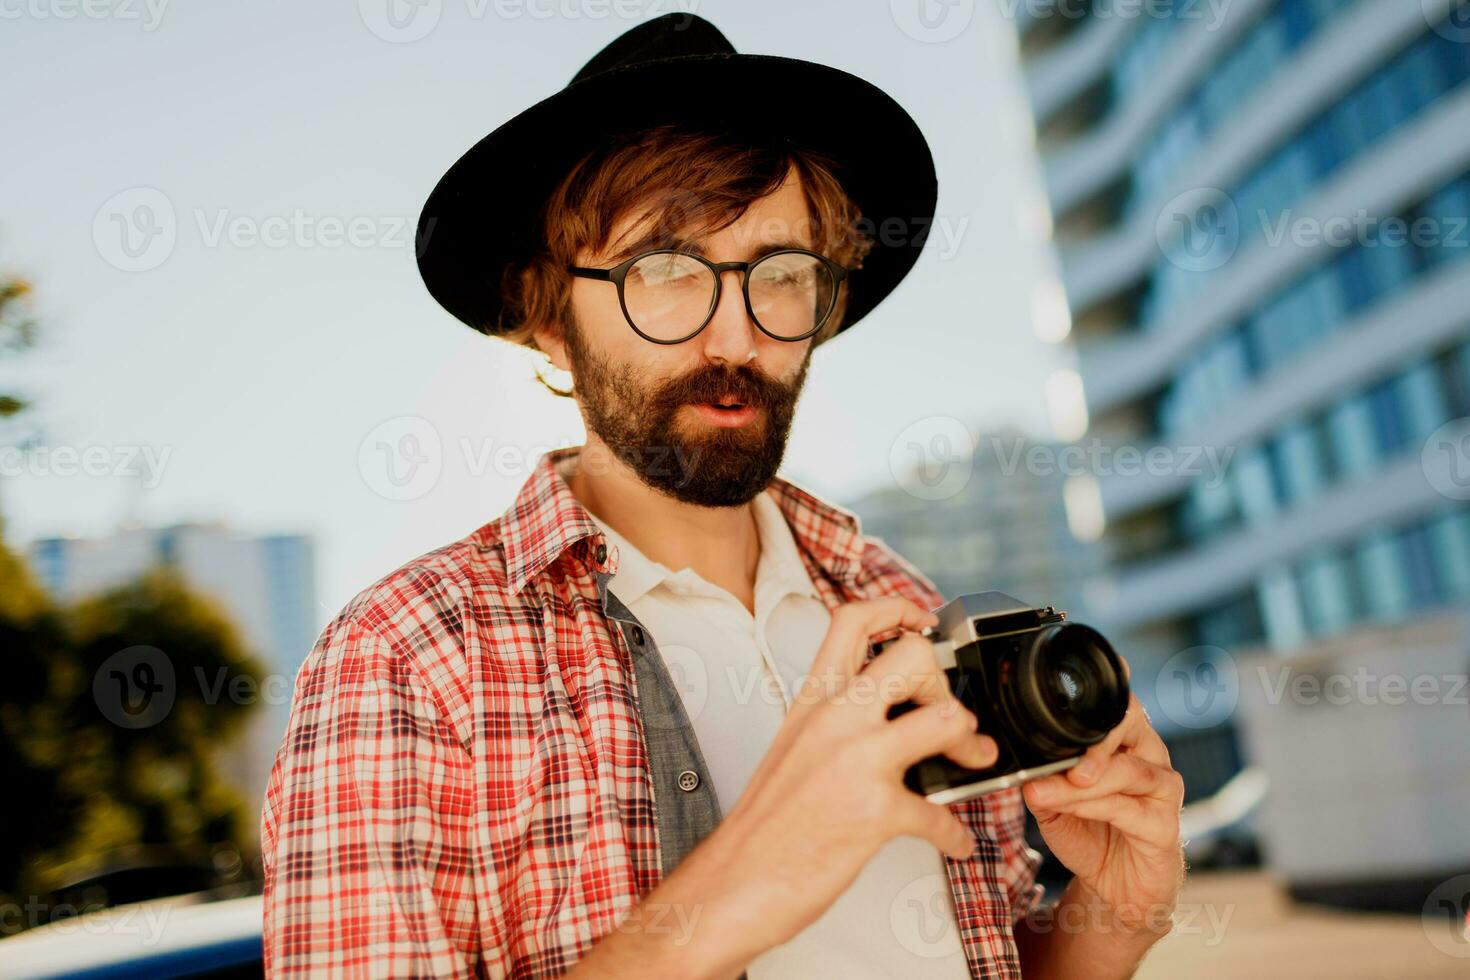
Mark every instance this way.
x=85 y=786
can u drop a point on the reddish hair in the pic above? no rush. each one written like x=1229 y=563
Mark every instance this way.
x=686 y=179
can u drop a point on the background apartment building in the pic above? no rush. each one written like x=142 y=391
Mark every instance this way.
x=1260 y=208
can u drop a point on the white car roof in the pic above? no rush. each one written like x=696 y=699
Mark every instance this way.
x=116 y=936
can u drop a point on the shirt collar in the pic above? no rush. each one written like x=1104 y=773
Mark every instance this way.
x=546 y=520
x=637 y=574
x=780 y=570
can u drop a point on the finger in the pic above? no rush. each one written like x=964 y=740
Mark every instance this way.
x=1138 y=817
x=1127 y=774
x=936 y=824
x=1126 y=734
x=845 y=647
x=1151 y=748
x=948 y=729
x=906 y=670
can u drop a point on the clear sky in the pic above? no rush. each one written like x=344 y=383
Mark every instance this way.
x=252 y=366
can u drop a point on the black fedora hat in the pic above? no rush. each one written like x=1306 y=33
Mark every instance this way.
x=677 y=68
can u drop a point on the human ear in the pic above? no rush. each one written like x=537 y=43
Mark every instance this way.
x=549 y=341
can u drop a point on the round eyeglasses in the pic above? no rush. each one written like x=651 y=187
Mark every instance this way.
x=668 y=296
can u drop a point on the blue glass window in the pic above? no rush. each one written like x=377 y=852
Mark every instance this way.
x=1385 y=585
x=1302 y=461
x=1326 y=594
x=1351 y=434
x=1281 y=609
x=1449 y=542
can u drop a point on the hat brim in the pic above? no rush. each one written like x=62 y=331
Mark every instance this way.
x=483 y=213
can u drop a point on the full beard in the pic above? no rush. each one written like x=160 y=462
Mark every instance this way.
x=648 y=429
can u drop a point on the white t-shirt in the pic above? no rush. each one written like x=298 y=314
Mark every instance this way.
x=735 y=673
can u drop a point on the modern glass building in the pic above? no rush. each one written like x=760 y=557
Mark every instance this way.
x=1261 y=211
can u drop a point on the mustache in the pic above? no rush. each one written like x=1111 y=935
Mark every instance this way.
x=745 y=384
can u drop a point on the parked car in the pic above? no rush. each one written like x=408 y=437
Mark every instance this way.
x=188 y=936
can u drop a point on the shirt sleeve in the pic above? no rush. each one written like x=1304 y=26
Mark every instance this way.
x=1019 y=861
x=1002 y=817
x=366 y=838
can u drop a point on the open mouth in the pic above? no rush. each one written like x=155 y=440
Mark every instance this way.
x=727 y=412
x=727 y=403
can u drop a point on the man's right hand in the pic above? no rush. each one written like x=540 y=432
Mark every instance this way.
x=827 y=795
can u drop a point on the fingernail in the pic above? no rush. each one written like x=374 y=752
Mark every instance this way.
x=1086 y=770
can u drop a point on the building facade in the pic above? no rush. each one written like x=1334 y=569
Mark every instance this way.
x=1261 y=213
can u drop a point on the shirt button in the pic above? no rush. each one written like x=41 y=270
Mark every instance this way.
x=601 y=553
x=638 y=636
x=689 y=780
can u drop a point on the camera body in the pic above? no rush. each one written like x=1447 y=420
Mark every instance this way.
x=1042 y=687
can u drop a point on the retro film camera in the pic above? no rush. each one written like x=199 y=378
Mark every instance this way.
x=1043 y=688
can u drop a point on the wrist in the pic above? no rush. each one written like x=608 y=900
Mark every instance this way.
x=1127 y=924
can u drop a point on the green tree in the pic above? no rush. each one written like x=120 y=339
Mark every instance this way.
x=32 y=641
x=96 y=782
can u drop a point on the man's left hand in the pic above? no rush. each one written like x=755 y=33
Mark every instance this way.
x=1113 y=820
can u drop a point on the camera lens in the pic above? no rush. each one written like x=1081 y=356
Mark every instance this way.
x=1070 y=689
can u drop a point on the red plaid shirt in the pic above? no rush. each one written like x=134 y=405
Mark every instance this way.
x=464 y=788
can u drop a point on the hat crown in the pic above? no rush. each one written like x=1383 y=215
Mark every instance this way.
x=668 y=36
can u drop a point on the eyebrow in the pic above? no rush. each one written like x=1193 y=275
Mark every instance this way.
x=657 y=241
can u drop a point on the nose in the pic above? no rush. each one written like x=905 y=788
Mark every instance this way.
x=730 y=336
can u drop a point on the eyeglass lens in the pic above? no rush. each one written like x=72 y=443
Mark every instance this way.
x=668 y=295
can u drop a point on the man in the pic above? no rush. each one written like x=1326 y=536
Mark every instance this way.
x=490 y=768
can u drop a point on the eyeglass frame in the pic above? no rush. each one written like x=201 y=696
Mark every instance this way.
x=619 y=272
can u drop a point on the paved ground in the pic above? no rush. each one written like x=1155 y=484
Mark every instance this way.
x=1238 y=925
